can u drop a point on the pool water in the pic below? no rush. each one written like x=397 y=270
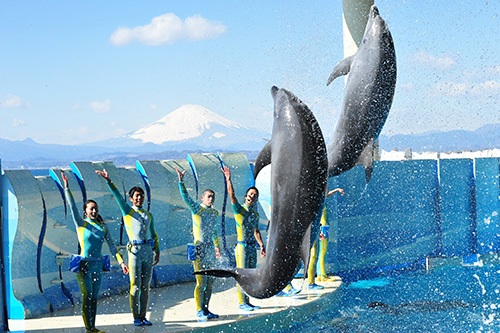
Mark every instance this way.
x=446 y=299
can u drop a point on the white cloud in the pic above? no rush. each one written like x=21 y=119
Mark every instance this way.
x=168 y=29
x=77 y=134
x=482 y=72
x=115 y=131
x=13 y=102
x=433 y=61
x=495 y=70
x=18 y=122
x=119 y=132
x=101 y=107
x=486 y=87
x=458 y=89
x=153 y=107
x=450 y=89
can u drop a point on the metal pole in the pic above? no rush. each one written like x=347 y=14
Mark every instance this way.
x=354 y=17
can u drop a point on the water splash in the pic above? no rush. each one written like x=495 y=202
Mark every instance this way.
x=479 y=281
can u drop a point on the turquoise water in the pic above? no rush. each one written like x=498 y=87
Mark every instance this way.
x=448 y=299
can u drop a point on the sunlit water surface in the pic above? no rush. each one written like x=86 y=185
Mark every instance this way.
x=448 y=299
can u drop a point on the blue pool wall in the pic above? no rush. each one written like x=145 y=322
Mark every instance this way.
x=411 y=211
x=38 y=233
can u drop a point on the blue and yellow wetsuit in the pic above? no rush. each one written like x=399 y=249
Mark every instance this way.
x=315 y=251
x=139 y=225
x=205 y=237
x=91 y=235
x=324 y=248
x=247 y=219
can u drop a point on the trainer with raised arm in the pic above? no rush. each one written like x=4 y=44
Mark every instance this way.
x=89 y=265
x=316 y=250
x=248 y=233
x=143 y=241
x=207 y=244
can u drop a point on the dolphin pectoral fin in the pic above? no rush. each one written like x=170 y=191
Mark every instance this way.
x=342 y=68
x=366 y=160
x=263 y=159
x=217 y=273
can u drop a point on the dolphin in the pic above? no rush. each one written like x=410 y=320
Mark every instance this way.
x=368 y=97
x=297 y=153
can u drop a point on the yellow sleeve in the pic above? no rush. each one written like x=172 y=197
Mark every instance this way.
x=323 y=217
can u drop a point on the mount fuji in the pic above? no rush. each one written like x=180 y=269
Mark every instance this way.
x=191 y=127
x=194 y=128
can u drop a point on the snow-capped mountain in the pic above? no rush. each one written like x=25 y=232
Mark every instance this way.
x=187 y=122
x=192 y=127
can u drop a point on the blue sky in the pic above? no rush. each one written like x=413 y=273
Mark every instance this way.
x=76 y=72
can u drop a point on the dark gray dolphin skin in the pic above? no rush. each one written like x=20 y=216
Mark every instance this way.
x=367 y=98
x=297 y=153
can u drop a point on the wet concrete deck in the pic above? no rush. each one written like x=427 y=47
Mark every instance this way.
x=172 y=309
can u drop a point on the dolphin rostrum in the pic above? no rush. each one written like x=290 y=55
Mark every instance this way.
x=297 y=153
x=367 y=98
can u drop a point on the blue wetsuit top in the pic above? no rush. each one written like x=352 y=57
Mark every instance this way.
x=204 y=219
x=247 y=219
x=139 y=223
x=91 y=233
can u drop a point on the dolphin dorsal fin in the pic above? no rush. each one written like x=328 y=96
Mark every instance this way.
x=342 y=68
x=366 y=160
x=263 y=159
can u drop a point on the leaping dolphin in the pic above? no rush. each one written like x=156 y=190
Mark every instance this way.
x=367 y=99
x=297 y=153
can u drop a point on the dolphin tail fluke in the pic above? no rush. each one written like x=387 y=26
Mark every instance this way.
x=342 y=68
x=366 y=160
x=217 y=273
x=263 y=159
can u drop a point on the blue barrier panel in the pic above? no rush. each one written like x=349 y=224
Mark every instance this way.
x=173 y=233
x=95 y=188
x=391 y=220
x=487 y=171
x=57 y=243
x=70 y=242
x=392 y=223
x=130 y=178
x=22 y=227
x=4 y=324
x=458 y=209
x=10 y=216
